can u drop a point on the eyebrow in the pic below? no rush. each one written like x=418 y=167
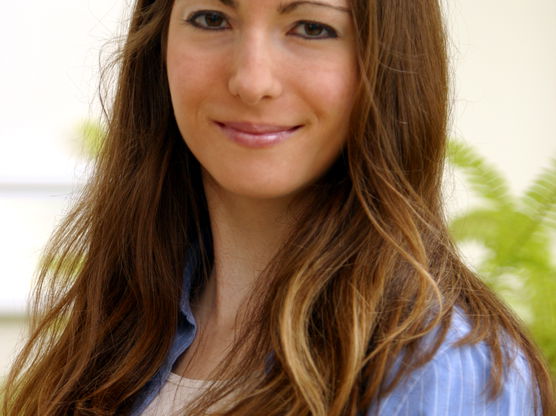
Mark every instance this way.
x=289 y=7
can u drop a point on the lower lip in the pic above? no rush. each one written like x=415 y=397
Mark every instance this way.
x=257 y=141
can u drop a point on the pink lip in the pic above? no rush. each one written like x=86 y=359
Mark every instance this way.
x=256 y=135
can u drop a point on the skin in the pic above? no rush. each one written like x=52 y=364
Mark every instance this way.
x=252 y=61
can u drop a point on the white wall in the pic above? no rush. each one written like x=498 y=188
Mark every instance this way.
x=48 y=81
x=504 y=55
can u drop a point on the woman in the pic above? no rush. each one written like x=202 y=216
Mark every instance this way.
x=266 y=216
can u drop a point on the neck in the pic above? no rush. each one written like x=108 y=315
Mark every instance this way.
x=247 y=233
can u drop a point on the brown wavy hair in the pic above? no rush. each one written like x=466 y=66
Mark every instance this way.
x=367 y=272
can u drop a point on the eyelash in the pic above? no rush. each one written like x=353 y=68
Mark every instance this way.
x=330 y=33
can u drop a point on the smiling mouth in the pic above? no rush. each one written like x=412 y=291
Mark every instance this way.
x=256 y=135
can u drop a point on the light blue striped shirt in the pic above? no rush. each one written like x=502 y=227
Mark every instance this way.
x=453 y=383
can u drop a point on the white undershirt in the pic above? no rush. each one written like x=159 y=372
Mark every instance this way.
x=176 y=393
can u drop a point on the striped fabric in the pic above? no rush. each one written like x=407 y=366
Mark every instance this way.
x=453 y=383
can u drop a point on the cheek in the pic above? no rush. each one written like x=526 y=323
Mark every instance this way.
x=336 y=85
x=190 y=76
x=329 y=87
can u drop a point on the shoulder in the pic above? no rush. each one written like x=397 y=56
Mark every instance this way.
x=455 y=382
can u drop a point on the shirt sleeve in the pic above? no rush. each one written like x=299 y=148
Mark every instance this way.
x=454 y=383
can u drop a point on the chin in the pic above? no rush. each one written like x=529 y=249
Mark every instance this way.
x=270 y=189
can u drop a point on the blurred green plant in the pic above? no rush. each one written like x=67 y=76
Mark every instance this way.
x=517 y=237
x=91 y=134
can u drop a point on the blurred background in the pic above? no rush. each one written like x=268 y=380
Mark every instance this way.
x=503 y=55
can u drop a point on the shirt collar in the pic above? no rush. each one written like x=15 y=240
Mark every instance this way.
x=190 y=270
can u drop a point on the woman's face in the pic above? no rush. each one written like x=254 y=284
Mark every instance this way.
x=262 y=90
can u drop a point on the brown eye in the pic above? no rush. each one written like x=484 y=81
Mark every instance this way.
x=208 y=20
x=314 y=30
x=213 y=20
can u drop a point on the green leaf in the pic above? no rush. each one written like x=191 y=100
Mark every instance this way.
x=484 y=179
x=540 y=197
x=92 y=135
x=480 y=225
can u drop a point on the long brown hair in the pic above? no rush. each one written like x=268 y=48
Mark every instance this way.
x=368 y=271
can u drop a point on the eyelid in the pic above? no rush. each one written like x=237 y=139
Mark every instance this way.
x=332 y=33
x=190 y=19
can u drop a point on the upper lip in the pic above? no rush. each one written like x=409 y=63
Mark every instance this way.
x=255 y=128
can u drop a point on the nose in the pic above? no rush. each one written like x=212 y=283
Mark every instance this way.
x=254 y=73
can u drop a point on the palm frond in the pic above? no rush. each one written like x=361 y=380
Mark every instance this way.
x=540 y=197
x=480 y=225
x=521 y=238
x=518 y=236
x=484 y=179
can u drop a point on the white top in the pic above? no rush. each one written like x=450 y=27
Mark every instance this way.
x=176 y=393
